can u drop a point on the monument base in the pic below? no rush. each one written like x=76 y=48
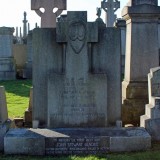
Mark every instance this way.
x=151 y=119
x=134 y=98
x=7 y=69
x=3 y=130
x=28 y=118
x=77 y=141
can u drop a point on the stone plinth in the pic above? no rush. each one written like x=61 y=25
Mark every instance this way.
x=76 y=141
x=3 y=130
x=151 y=119
x=142 y=53
x=7 y=63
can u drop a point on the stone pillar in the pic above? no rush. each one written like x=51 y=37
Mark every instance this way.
x=28 y=67
x=25 y=25
x=142 y=53
x=28 y=112
x=3 y=105
x=121 y=23
x=7 y=65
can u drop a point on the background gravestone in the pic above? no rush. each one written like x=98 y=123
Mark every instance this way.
x=151 y=119
x=73 y=70
x=7 y=65
x=142 y=53
x=48 y=18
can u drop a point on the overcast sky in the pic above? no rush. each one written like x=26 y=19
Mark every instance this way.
x=11 y=11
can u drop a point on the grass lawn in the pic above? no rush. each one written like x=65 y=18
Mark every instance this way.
x=17 y=93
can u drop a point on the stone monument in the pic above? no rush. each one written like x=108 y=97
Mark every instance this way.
x=76 y=93
x=151 y=119
x=73 y=74
x=142 y=53
x=48 y=18
x=110 y=7
x=7 y=64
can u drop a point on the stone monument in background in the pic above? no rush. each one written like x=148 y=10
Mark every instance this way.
x=151 y=119
x=7 y=64
x=110 y=7
x=48 y=18
x=142 y=53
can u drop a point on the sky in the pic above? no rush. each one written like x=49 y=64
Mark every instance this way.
x=11 y=11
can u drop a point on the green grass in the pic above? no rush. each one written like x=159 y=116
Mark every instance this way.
x=17 y=94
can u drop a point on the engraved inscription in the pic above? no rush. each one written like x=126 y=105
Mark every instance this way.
x=78 y=146
x=78 y=97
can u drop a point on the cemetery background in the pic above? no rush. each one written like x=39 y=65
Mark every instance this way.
x=50 y=83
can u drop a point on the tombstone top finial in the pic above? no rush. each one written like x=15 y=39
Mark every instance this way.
x=98 y=12
x=48 y=17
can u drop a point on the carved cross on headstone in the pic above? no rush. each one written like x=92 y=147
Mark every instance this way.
x=48 y=18
x=110 y=7
x=78 y=33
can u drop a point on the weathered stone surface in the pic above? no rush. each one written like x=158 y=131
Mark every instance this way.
x=69 y=68
x=28 y=65
x=20 y=56
x=3 y=105
x=137 y=140
x=82 y=102
x=121 y=23
x=151 y=118
x=23 y=141
x=48 y=18
x=7 y=64
x=3 y=130
x=76 y=141
x=110 y=7
x=142 y=51
x=28 y=112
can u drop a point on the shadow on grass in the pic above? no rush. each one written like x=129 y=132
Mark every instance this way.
x=17 y=87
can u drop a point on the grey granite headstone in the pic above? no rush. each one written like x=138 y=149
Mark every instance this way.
x=74 y=80
x=7 y=64
x=155 y=83
x=151 y=119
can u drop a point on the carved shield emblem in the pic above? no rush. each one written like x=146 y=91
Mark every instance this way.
x=77 y=35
